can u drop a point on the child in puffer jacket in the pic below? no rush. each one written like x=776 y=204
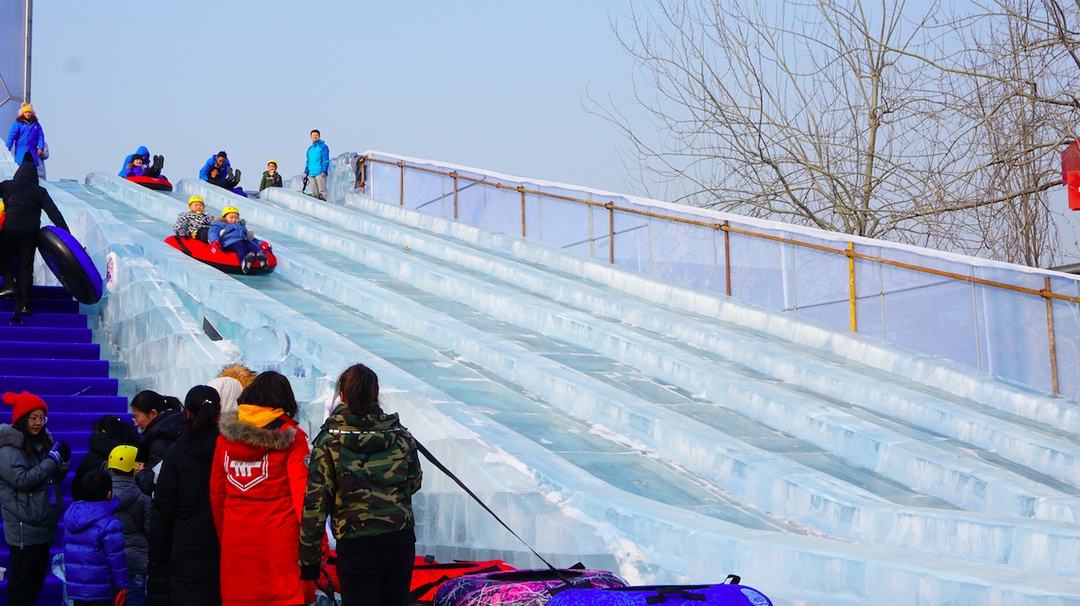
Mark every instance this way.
x=193 y=223
x=232 y=235
x=95 y=568
x=133 y=512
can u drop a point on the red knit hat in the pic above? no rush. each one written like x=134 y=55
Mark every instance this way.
x=24 y=403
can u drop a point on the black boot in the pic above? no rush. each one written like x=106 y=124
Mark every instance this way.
x=155 y=168
x=234 y=179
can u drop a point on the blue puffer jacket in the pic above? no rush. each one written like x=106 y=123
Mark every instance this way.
x=228 y=233
x=143 y=152
x=95 y=567
x=204 y=172
x=318 y=159
x=26 y=137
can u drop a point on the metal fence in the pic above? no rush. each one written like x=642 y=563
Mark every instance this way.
x=1019 y=323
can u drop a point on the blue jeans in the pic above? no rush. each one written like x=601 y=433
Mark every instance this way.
x=136 y=594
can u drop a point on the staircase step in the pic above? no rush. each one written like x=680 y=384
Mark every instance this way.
x=96 y=406
x=58 y=306
x=52 y=351
x=55 y=320
x=64 y=386
x=36 y=367
x=44 y=334
x=47 y=292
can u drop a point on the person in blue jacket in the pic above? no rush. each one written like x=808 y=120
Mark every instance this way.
x=221 y=160
x=317 y=165
x=233 y=235
x=26 y=135
x=95 y=567
x=142 y=152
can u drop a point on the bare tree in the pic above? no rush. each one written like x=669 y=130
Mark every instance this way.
x=861 y=118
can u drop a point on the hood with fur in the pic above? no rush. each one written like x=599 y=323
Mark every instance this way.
x=277 y=435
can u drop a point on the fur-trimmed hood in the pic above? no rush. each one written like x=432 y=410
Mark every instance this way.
x=9 y=436
x=278 y=435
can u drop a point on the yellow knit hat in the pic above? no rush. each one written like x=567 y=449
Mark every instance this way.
x=26 y=107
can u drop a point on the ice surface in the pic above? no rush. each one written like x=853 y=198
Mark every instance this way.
x=671 y=435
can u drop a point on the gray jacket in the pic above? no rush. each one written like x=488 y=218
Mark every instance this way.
x=29 y=490
x=134 y=516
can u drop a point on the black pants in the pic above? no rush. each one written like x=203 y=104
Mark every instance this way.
x=17 y=250
x=26 y=573
x=376 y=578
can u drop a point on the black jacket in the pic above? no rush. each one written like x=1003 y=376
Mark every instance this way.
x=101 y=444
x=158 y=436
x=24 y=200
x=182 y=532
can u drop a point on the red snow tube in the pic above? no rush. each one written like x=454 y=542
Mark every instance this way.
x=223 y=260
x=519 y=588
x=155 y=183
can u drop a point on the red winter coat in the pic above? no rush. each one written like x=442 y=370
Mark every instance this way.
x=257 y=489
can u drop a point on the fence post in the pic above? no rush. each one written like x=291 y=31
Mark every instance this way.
x=611 y=232
x=1050 y=336
x=454 y=175
x=521 y=188
x=851 y=285
x=727 y=257
x=401 y=183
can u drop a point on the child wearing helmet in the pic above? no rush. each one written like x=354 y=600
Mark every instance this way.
x=133 y=512
x=193 y=223
x=271 y=177
x=231 y=233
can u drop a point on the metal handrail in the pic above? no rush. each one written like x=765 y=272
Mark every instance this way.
x=725 y=227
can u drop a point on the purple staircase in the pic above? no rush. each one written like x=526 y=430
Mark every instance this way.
x=53 y=357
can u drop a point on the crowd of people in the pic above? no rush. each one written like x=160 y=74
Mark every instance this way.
x=219 y=499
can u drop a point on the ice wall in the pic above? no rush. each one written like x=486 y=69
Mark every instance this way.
x=609 y=418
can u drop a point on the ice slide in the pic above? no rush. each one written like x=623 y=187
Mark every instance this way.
x=631 y=425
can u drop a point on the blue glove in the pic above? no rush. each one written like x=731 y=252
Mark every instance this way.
x=61 y=453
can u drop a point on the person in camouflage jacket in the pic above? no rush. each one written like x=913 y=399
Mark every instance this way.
x=363 y=472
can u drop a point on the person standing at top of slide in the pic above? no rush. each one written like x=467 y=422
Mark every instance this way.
x=26 y=136
x=317 y=165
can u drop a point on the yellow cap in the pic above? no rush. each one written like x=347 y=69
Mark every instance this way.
x=122 y=458
x=229 y=209
x=194 y=199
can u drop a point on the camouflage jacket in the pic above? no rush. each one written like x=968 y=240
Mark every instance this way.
x=363 y=473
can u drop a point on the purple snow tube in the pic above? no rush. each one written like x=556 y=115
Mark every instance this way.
x=68 y=261
x=519 y=587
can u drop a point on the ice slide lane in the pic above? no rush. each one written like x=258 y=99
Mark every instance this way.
x=662 y=387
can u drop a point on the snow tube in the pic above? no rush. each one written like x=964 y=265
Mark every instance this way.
x=663 y=595
x=68 y=261
x=519 y=588
x=223 y=260
x=156 y=183
x=429 y=575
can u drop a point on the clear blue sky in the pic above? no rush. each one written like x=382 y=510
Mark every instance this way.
x=497 y=85
x=492 y=84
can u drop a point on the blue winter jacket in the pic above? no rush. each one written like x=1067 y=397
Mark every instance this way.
x=318 y=159
x=26 y=137
x=227 y=233
x=95 y=567
x=204 y=172
x=142 y=151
